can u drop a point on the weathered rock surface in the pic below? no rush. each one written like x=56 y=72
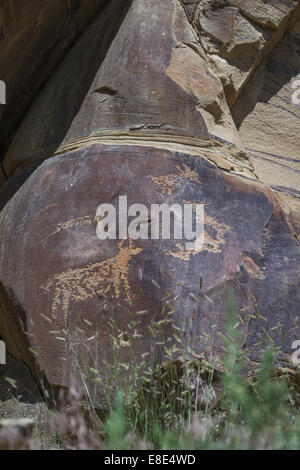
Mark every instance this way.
x=236 y=41
x=34 y=36
x=174 y=102
x=17 y=381
x=182 y=98
x=269 y=121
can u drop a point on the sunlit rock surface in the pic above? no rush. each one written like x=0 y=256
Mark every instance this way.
x=163 y=102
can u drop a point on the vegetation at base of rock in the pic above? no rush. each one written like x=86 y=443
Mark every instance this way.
x=190 y=406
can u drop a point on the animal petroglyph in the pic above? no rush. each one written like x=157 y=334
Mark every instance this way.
x=169 y=183
x=211 y=243
x=80 y=284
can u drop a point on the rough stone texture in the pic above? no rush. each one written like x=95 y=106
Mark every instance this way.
x=34 y=36
x=268 y=121
x=236 y=41
x=49 y=226
x=168 y=62
x=165 y=102
x=17 y=381
x=269 y=14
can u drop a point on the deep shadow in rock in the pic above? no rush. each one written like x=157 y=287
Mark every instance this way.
x=61 y=97
x=276 y=70
x=17 y=381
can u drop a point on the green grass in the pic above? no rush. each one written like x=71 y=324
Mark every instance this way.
x=168 y=412
x=180 y=405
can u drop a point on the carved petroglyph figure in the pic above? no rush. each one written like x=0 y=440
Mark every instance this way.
x=164 y=102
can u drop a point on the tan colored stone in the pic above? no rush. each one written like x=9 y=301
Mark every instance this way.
x=269 y=121
x=235 y=42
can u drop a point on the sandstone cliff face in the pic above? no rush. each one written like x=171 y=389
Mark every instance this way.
x=253 y=47
x=34 y=36
x=163 y=102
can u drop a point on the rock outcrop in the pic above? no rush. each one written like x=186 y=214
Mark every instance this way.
x=164 y=102
x=34 y=36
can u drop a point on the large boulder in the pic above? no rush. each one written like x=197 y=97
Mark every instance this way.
x=149 y=116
